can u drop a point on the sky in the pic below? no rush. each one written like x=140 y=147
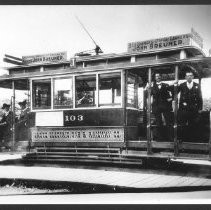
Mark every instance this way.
x=31 y=30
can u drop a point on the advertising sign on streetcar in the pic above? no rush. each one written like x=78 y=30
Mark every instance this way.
x=45 y=58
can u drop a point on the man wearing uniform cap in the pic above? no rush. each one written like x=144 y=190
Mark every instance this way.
x=24 y=109
x=21 y=125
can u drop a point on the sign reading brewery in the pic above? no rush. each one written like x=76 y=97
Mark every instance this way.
x=166 y=42
x=45 y=58
x=78 y=135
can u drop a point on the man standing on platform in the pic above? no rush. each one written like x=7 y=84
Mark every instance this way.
x=162 y=101
x=21 y=125
x=190 y=102
x=161 y=108
x=6 y=122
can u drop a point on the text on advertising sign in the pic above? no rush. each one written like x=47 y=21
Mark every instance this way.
x=78 y=135
x=45 y=58
x=164 y=43
x=155 y=44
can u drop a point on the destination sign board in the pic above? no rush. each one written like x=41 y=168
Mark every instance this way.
x=165 y=42
x=78 y=135
x=45 y=58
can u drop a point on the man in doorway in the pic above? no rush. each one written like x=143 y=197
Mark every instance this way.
x=23 y=118
x=162 y=101
x=190 y=102
x=24 y=109
x=161 y=108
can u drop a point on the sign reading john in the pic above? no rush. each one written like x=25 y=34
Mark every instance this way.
x=45 y=58
x=167 y=42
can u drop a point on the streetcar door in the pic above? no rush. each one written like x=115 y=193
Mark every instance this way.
x=162 y=101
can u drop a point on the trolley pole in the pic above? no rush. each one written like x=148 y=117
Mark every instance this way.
x=13 y=117
x=176 y=145
x=149 y=146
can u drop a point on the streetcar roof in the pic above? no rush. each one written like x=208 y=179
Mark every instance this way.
x=190 y=49
x=201 y=64
x=198 y=61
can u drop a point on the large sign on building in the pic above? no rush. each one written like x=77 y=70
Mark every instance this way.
x=45 y=58
x=190 y=39
x=78 y=135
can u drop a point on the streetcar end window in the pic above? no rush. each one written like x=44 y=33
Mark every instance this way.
x=110 y=89
x=41 y=94
x=132 y=91
x=63 y=93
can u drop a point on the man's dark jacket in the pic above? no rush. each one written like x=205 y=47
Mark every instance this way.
x=190 y=99
x=6 y=125
x=160 y=98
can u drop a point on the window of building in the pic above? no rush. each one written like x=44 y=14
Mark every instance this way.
x=110 y=89
x=41 y=98
x=85 y=91
x=63 y=93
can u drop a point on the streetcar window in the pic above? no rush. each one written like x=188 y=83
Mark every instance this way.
x=132 y=91
x=41 y=94
x=63 y=93
x=85 y=91
x=141 y=98
x=205 y=88
x=110 y=89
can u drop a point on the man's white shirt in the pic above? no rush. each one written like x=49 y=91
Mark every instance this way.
x=190 y=85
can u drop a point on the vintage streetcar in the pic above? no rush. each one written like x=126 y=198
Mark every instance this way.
x=96 y=108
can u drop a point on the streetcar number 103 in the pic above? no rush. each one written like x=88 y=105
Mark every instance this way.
x=72 y=118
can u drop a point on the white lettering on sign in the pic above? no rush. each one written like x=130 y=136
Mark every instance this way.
x=72 y=118
x=45 y=58
x=80 y=117
x=76 y=135
x=161 y=43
